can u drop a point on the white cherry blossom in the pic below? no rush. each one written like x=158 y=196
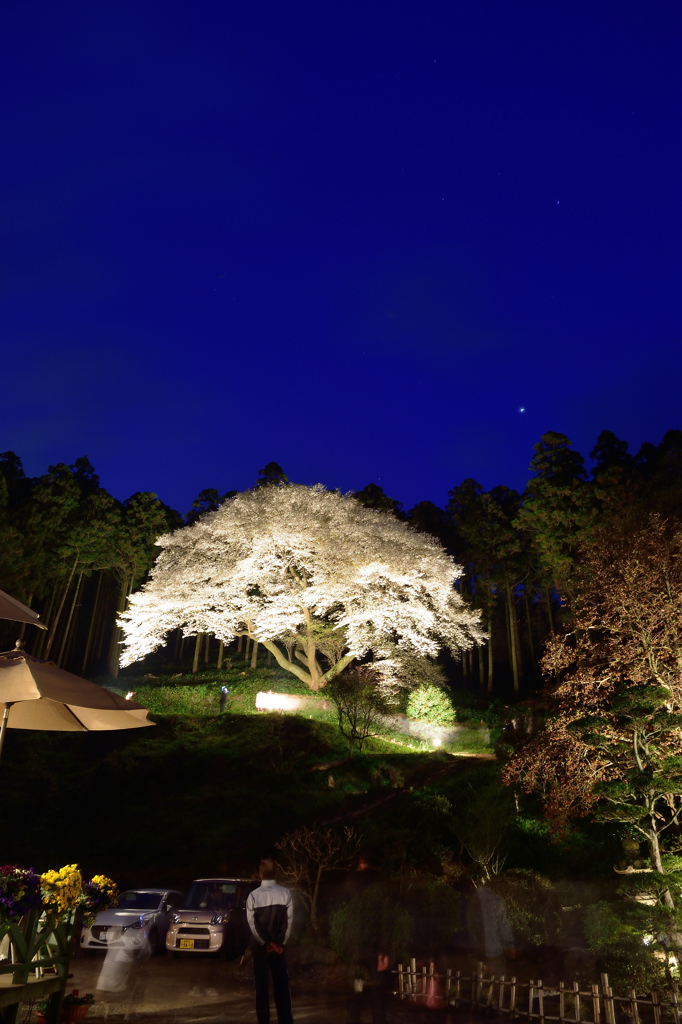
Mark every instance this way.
x=312 y=575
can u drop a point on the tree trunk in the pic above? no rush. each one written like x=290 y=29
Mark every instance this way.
x=105 y=616
x=182 y=647
x=70 y=649
x=517 y=639
x=512 y=639
x=91 y=627
x=207 y=648
x=268 y=660
x=126 y=589
x=65 y=637
x=311 y=654
x=254 y=655
x=197 y=651
x=313 y=902
x=23 y=625
x=220 y=656
x=657 y=863
x=100 y=620
x=59 y=609
x=46 y=621
x=506 y=622
x=490 y=655
x=248 y=650
x=531 y=645
x=481 y=670
x=239 y=644
x=549 y=611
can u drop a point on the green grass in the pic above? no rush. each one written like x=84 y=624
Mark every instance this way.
x=199 y=694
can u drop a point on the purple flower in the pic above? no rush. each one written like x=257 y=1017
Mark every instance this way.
x=19 y=891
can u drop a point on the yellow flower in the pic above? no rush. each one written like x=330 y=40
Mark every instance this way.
x=61 y=889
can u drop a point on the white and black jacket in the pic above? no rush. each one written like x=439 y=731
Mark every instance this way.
x=270 y=913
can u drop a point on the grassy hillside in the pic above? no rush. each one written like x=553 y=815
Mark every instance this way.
x=199 y=793
x=204 y=792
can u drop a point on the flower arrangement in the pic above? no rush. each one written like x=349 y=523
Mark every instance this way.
x=59 y=893
x=19 y=892
x=97 y=895
x=61 y=890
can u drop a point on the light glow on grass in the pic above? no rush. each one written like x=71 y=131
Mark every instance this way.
x=278 y=701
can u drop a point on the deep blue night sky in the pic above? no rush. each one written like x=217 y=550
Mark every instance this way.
x=355 y=238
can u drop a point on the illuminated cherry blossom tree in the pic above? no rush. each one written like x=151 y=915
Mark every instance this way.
x=313 y=576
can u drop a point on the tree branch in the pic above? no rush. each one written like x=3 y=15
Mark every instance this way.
x=335 y=669
x=288 y=666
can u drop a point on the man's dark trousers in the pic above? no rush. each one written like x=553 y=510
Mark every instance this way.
x=273 y=964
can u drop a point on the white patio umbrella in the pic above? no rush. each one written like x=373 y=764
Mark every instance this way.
x=38 y=695
x=12 y=609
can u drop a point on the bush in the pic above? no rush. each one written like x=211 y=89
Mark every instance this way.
x=532 y=904
x=431 y=704
x=372 y=922
x=360 y=704
x=437 y=911
x=626 y=937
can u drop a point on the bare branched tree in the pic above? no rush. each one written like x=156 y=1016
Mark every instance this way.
x=310 y=851
x=360 y=704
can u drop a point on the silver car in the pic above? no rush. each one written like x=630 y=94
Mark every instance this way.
x=213 y=919
x=139 y=921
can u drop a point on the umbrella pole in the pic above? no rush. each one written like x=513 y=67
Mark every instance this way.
x=3 y=727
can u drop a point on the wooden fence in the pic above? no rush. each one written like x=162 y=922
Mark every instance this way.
x=565 y=1003
x=35 y=965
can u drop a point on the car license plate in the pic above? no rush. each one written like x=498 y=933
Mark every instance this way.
x=186 y=943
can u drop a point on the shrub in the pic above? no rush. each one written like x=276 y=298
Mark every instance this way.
x=436 y=908
x=431 y=704
x=360 y=704
x=532 y=905
x=372 y=922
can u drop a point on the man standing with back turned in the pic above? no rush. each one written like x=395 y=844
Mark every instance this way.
x=269 y=911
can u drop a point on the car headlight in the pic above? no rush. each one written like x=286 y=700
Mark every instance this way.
x=219 y=919
x=140 y=923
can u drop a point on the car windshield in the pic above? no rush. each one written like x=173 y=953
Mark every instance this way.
x=211 y=896
x=139 y=900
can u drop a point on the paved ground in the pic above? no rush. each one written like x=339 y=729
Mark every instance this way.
x=197 y=989
x=201 y=990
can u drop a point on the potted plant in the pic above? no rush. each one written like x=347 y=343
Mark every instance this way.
x=75 y=1006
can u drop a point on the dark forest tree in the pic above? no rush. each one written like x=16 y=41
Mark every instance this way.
x=614 y=692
